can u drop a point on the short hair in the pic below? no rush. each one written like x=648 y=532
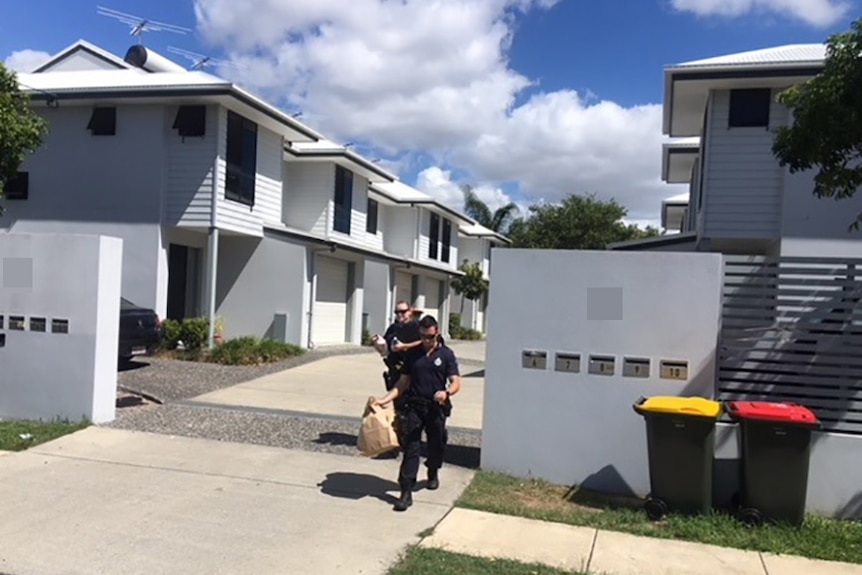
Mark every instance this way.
x=399 y=302
x=427 y=322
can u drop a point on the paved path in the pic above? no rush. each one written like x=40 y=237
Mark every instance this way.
x=597 y=551
x=113 y=501
x=338 y=386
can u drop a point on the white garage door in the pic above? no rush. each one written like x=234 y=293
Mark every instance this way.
x=432 y=297
x=329 y=320
x=403 y=287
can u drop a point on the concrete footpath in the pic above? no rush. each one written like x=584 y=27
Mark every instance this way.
x=112 y=501
x=591 y=550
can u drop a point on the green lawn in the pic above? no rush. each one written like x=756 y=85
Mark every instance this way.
x=421 y=561
x=818 y=538
x=34 y=432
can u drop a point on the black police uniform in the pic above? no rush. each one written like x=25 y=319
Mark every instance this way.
x=429 y=373
x=406 y=332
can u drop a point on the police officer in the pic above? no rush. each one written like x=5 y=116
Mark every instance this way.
x=402 y=341
x=425 y=386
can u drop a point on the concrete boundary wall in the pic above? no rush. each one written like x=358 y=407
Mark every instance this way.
x=60 y=302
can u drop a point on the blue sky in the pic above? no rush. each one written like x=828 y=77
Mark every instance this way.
x=527 y=99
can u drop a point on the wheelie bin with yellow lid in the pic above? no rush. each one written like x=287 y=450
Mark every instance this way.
x=681 y=449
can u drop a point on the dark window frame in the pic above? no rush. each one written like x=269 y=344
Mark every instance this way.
x=342 y=200
x=191 y=121
x=240 y=159
x=103 y=121
x=372 y=216
x=749 y=108
x=446 y=240
x=433 y=235
x=17 y=188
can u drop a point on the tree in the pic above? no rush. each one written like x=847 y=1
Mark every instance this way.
x=577 y=223
x=21 y=130
x=498 y=220
x=826 y=131
x=471 y=285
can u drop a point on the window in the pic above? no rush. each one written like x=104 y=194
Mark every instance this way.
x=343 y=199
x=433 y=236
x=447 y=240
x=749 y=108
x=241 y=159
x=103 y=122
x=371 y=221
x=17 y=188
x=191 y=121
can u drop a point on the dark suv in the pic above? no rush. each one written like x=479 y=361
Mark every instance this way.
x=140 y=330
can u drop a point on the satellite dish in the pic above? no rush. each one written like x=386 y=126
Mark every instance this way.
x=140 y=25
x=199 y=61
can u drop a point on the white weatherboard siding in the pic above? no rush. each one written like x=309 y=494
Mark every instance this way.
x=358 y=215
x=190 y=167
x=329 y=319
x=308 y=192
x=743 y=179
x=424 y=240
x=117 y=191
x=236 y=216
x=375 y=241
x=400 y=230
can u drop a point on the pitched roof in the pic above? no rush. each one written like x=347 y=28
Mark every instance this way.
x=790 y=54
x=86 y=46
x=479 y=230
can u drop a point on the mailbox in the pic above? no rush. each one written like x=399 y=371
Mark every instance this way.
x=602 y=364
x=672 y=369
x=16 y=322
x=532 y=359
x=636 y=367
x=568 y=362
x=59 y=326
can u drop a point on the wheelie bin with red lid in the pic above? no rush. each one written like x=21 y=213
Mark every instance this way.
x=680 y=447
x=776 y=448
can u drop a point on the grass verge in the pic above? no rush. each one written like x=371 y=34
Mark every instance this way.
x=818 y=538
x=422 y=561
x=34 y=432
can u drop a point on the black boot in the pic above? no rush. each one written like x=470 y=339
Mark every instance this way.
x=406 y=499
x=433 y=480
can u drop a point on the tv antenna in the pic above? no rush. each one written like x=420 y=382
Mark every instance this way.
x=199 y=61
x=140 y=25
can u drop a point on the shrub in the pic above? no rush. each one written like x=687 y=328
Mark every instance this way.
x=366 y=337
x=170 y=333
x=194 y=332
x=454 y=322
x=249 y=350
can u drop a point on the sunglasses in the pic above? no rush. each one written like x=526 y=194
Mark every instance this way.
x=400 y=311
x=428 y=337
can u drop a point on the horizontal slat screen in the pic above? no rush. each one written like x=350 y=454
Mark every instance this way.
x=792 y=331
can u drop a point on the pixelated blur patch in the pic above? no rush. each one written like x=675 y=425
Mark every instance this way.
x=605 y=303
x=18 y=273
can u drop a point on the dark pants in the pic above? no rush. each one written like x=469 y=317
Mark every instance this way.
x=416 y=416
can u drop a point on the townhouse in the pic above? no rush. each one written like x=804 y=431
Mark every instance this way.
x=477 y=244
x=227 y=206
x=721 y=114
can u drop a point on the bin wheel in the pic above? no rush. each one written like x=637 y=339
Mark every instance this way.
x=751 y=517
x=655 y=508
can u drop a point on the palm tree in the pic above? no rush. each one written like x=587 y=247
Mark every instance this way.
x=498 y=220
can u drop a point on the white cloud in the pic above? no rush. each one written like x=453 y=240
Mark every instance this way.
x=438 y=183
x=26 y=60
x=814 y=12
x=432 y=78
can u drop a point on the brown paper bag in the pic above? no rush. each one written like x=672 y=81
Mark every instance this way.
x=377 y=432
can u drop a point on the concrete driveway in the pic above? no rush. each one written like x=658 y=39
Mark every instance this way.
x=120 y=502
x=341 y=386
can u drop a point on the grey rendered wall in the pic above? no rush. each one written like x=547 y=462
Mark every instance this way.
x=258 y=278
x=805 y=216
x=103 y=185
x=377 y=294
x=68 y=277
x=578 y=427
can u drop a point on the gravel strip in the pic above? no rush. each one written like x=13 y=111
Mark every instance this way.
x=306 y=433
x=164 y=380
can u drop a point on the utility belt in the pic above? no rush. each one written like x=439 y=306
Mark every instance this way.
x=424 y=405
